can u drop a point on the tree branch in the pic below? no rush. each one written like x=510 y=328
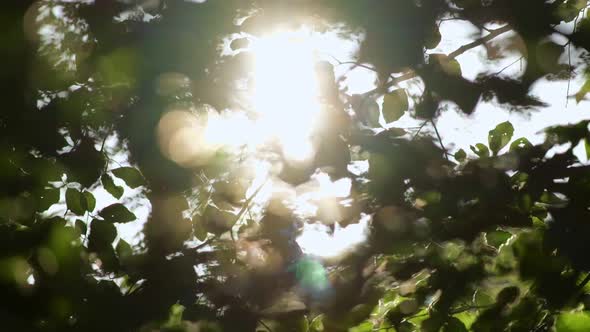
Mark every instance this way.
x=409 y=75
x=480 y=41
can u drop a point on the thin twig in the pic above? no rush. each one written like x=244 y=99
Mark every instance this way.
x=419 y=129
x=439 y=139
x=480 y=41
x=246 y=207
x=584 y=282
x=510 y=65
x=265 y=326
x=411 y=74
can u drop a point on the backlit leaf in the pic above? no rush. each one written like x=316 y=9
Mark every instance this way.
x=395 y=104
x=460 y=155
x=500 y=136
x=573 y=322
x=480 y=149
x=520 y=143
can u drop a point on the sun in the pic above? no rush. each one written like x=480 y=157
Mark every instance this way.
x=286 y=91
x=284 y=111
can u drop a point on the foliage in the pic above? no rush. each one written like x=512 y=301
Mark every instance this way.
x=490 y=241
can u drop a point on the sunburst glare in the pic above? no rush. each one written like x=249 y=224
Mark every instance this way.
x=285 y=95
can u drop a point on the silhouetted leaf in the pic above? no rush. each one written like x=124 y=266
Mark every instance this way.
x=81 y=226
x=102 y=234
x=587 y=147
x=500 y=136
x=433 y=38
x=47 y=198
x=117 y=213
x=130 y=175
x=395 y=104
x=508 y=295
x=90 y=201
x=520 y=143
x=123 y=249
x=75 y=201
x=109 y=185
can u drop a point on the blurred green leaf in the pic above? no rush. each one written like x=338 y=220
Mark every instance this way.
x=117 y=213
x=460 y=155
x=130 y=175
x=482 y=299
x=395 y=104
x=500 y=136
x=109 y=186
x=573 y=322
x=47 y=198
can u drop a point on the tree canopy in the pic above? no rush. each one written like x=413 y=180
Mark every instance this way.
x=116 y=111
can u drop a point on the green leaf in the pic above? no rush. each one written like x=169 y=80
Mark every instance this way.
x=90 y=201
x=117 y=213
x=198 y=228
x=573 y=322
x=520 y=143
x=317 y=324
x=130 y=175
x=587 y=146
x=47 y=198
x=448 y=65
x=454 y=325
x=460 y=155
x=81 y=226
x=467 y=318
x=395 y=104
x=123 y=249
x=363 y=327
x=75 y=201
x=433 y=38
x=497 y=238
x=102 y=234
x=109 y=185
x=581 y=94
x=480 y=149
x=500 y=136
x=481 y=299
